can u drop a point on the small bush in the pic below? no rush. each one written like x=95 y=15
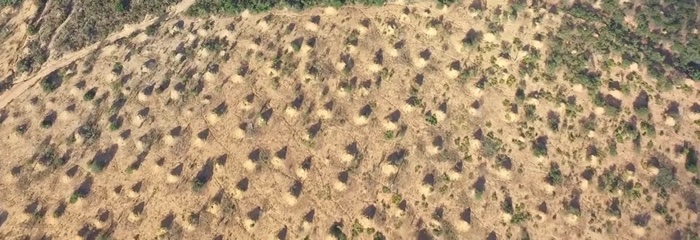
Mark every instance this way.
x=97 y=166
x=666 y=179
x=337 y=231
x=21 y=129
x=13 y=3
x=123 y=5
x=114 y=126
x=491 y=145
x=50 y=83
x=431 y=119
x=198 y=184
x=554 y=177
x=691 y=160
x=118 y=68
x=473 y=38
x=388 y=135
x=75 y=196
x=89 y=95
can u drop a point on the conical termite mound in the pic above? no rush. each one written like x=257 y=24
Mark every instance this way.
x=136 y=165
x=282 y=233
x=436 y=146
x=175 y=174
x=218 y=112
x=464 y=221
x=136 y=212
x=34 y=209
x=453 y=70
x=341 y=182
x=364 y=115
x=350 y=153
x=479 y=187
x=247 y=102
x=475 y=107
x=297 y=45
x=204 y=176
x=241 y=73
x=505 y=166
x=201 y=138
x=326 y=111
x=135 y=190
x=241 y=187
x=177 y=91
x=308 y=220
x=411 y=103
x=255 y=158
x=313 y=23
x=212 y=71
x=398 y=46
x=145 y=93
x=69 y=174
x=377 y=61
x=265 y=115
x=391 y=121
x=368 y=215
x=303 y=171
x=244 y=128
x=441 y=112
x=168 y=222
x=278 y=161
x=295 y=106
x=57 y=213
x=294 y=193
x=456 y=171
x=220 y=162
x=102 y=219
x=346 y=87
x=423 y=58
x=427 y=185
x=138 y=118
x=252 y=217
x=672 y=113
x=394 y=161
x=347 y=63
x=695 y=112
x=214 y=206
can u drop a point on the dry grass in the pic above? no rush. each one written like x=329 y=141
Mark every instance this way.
x=362 y=122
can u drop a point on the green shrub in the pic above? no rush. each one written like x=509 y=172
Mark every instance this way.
x=666 y=179
x=114 y=126
x=691 y=160
x=89 y=95
x=431 y=119
x=388 y=135
x=491 y=146
x=554 y=177
x=122 y=5
x=75 y=196
x=13 y=3
x=198 y=184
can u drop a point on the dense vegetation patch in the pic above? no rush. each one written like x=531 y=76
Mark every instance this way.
x=662 y=40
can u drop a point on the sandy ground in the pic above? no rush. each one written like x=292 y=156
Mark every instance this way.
x=294 y=123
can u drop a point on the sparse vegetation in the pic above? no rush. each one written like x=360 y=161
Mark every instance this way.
x=446 y=127
x=554 y=177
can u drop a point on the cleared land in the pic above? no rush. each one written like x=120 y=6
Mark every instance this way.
x=485 y=119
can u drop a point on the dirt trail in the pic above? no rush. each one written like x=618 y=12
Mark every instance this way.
x=51 y=66
x=60 y=27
